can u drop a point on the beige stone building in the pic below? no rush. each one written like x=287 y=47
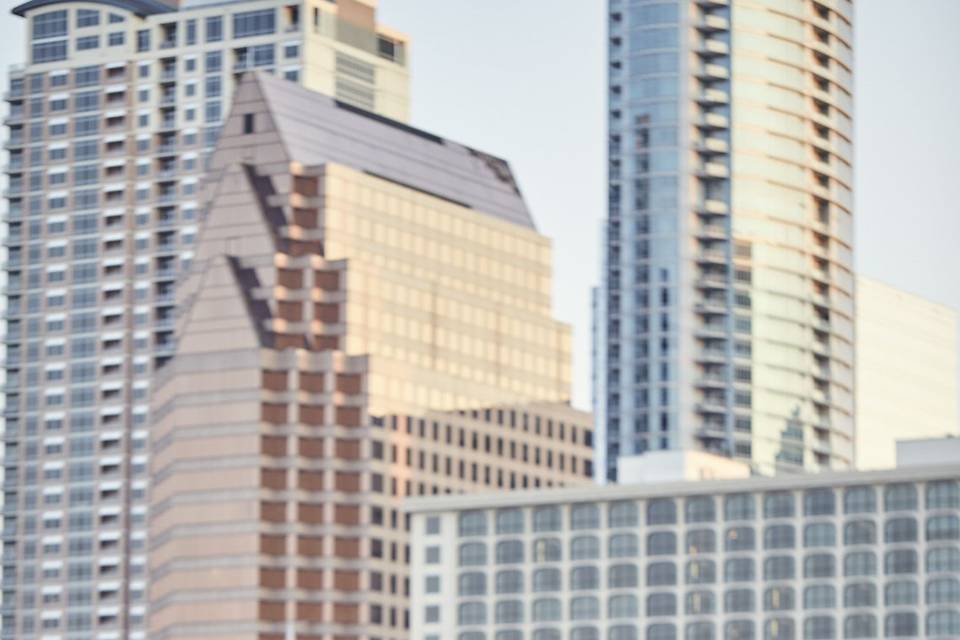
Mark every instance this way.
x=367 y=317
x=907 y=371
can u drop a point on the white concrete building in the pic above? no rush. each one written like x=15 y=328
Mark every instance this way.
x=834 y=555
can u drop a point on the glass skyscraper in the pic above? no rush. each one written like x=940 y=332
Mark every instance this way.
x=110 y=122
x=724 y=321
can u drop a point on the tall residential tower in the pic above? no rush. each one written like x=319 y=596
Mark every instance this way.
x=725 y=318
x=110 y=122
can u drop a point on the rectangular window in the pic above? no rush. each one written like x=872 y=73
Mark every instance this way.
x=214 y=87
x=143 y=40
x=50 y=52
x=215 y=29
x=116 y=39
x=254 y=23
x=50 y=25
x=87 y=18
x=86 y=76
x=214 y=61
x=263 y=55
x=191 y=32
x=86 y=101
x=248 y=123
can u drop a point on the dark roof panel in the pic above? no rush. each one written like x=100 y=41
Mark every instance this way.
x=139 y=7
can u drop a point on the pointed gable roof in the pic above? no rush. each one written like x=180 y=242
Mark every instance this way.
x=316 y=129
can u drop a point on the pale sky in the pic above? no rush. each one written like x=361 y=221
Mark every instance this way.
x=526 y=81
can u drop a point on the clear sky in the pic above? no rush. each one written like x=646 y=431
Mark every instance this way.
x=526 y=80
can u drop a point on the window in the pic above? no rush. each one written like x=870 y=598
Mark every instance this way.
x=778 y=599
x=701 y=541
x=738 y=570
x=819 y=628
x=778 y=505
x=779 y=536
x=622 y=576
x=821 y=534
x=473 y=554
x=547 y=610
x=623 y=514
x=860 y=532
x=547 y=550
x=510 y=581
x=901 y=593
x=663 y=631
x=546 y=580
x=143 y=40
x=622 y=632
x=584 y=633
x=700 y=603
x=943 y=494
x=860 y=626
x=547 y=519
x=699 y=631
x=584 y=608
x=943 y=528
x=701 y=572
x=945 y=624
x=510 y=521
x=622 y=606
x=214 y=26
x=819 y=502
x=900 y=530
x=472 y=613
x=662 y=511
x=819 y=565
x=819 y=597
x=116 y=39
x=49 y=51
x=861 y=563
x=661 y=604
x=778 y=629
x=254 y=23
x=508 y=612
x=945 y=559
x=738 y=601
x=700 y=509
x=778 y=568
x=213 y=62
x=52 y=24
x=584 y=578
x=943 y=591
x=900 y=561
x=860 y=594
x=509 y=552
x=585 y=548
x=623 y=545
x=860 y=500
x=661 y=543
x=900 y=497
x=584 y=516
x=661 y=574
x=88 y=42
x=901 y=625
x=473 y=523
x=739 y=507
x=740 y=539
x=473 y=584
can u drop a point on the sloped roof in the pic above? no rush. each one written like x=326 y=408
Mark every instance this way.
x=316 y=129
x=138 y=7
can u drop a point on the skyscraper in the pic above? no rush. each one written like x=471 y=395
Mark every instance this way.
x=110 y=123
x=724 y=321
x=368 y=317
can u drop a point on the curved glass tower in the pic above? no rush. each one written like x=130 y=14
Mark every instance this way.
x=724 y=320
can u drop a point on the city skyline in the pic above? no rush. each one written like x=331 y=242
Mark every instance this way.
x=466 y=108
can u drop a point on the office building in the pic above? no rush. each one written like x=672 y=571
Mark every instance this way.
x=907 y=371
x=110 y=122
x=367 y=317
x=724 y=321
x=816 y=556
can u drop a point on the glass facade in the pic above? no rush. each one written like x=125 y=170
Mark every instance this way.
x=824 y=562
x=724 y=321
x=106 y=145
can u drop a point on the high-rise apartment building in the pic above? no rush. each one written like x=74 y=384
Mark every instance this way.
x=110 y=122
x=813 y=556
x=725 y=318
x=908 y=374
x=367 y=317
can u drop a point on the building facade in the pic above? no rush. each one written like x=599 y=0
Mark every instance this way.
x=367 y=317
x=818 y=556
x=110 y=124
x=724 y=321
x=907 y=370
